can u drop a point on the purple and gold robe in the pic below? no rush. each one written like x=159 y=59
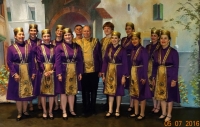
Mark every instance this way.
x=122 y=69
x=41 y=61
x=141 y=60
x=127 y=45
x=151 y=48
x=61 y=68
x=34 y=44
x=172 y=65
x=13 y=61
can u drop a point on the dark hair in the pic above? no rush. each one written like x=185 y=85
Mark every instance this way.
x=108 y=24
x=78 y=25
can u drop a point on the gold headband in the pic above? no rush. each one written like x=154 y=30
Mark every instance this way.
x=46 y=31
x=155 y=31
x=115 y=33
x=130 y=24
x=60 y=27
x=67 y=30
x=165 y=32
x=17 y=30
x=33 y=26
x=136 y=34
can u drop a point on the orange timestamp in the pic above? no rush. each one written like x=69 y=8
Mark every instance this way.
x=181 y=123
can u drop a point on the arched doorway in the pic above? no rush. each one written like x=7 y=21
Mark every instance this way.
x=70 y=20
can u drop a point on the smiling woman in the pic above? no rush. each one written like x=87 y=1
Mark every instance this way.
x=19 y=60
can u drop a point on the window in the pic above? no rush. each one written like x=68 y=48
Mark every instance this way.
x=9 y=14
x=128 y=7
x=158 y=11
x=32 y=9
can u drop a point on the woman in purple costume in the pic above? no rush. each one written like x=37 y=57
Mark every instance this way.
x=165 y=75
x=46 y=60
x=151 y=48
x=114 y=79
x=57 y=41
x=139 y=86
x=68 y=53
x=19 y=53
x=34 y=42
x=126 y=43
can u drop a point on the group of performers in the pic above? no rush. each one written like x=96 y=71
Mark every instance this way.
x=66 y=65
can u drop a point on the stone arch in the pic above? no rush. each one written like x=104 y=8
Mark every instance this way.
x=68 y=10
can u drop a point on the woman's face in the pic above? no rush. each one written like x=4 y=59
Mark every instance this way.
x=115 y=40
x=20 y=37
x=68 y=37
x=59 y=33
x=154 y=38
x=135 y=41
x=164 y=40
x=46 y=38
x=33 y=33
x=129 y=30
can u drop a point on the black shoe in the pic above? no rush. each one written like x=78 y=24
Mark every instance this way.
x=117 y=116
x=162 y=117
x=44 y=118
x=19 y=118
x=26 y=114
x=51 y=117
x=133 y=115
x=139 y=118
x=65 y=118
x=167 y=118
x=108 y=115
x=73 y=115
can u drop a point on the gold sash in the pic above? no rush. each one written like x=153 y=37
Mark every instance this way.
x=71 y=84
x=47 y=83
x=134 y=83
x=88 y=48
x=38 y=43
x=111 y=74
x=150 y=67
x=161 y=78
x=25 y=84
x=111 y=79
x=161 y=84
x=126 y=44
